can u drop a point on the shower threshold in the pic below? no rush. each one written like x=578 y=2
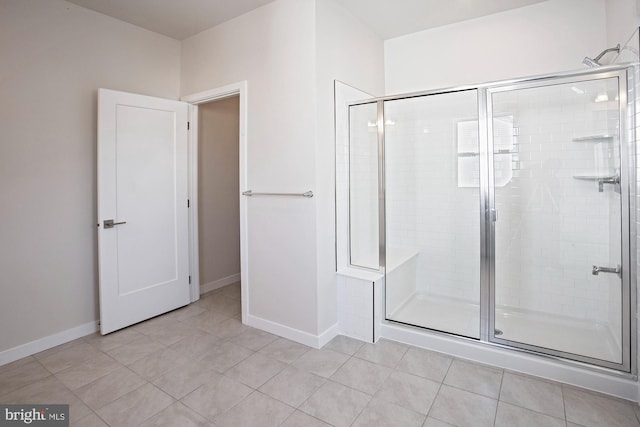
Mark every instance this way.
x=523 y=326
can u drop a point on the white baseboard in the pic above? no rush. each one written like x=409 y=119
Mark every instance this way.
x=217 y=284
x=36 y=346
x=315 y=341
x=328 y=335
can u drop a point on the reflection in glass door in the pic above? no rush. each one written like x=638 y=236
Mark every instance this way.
x=559 y=285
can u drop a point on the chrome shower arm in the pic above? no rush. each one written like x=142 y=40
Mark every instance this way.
x=595 y=62
x=604 y=52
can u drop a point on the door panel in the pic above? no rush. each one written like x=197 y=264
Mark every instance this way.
x=142 y=184
x=558 y=232
x=432 y=209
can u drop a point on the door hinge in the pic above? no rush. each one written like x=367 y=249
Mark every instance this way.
x=188 y=203
x=189 y=279
x=188 y=125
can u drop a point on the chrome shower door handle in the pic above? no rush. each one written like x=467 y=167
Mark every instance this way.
x=596 y=270
x=109 y=223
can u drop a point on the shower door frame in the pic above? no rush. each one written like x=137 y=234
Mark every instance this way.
x=626 y=175
x=626 y=75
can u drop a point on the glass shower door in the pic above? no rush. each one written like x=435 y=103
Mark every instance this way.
x=363 y=186
x=432 y=211
x=559 y=280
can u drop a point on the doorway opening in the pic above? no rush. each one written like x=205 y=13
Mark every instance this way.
x=218 y=190
x=217 y=173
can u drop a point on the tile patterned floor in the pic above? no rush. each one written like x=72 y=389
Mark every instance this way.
x=199 y=366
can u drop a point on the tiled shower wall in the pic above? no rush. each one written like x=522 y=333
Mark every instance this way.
x=635 y=201
x=634 y=101
x=552 y=227
x=363 y=181
x=428 y=212
x=629 y=54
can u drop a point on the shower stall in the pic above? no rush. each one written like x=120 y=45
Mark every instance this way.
x=503 y=213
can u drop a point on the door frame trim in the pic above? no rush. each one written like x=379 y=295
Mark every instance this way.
x=216 y=94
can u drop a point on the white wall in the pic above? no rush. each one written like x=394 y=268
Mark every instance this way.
x=272 y=48
x=65 y=52
x=218 y=188
x=623 y=18
x=348 y=51
x=290 y=52
x=55 y=57
x=542 y=38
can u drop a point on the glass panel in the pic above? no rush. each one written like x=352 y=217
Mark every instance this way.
x=629 y=52
x=557 y=193
x=432 y=212
x=363 y=186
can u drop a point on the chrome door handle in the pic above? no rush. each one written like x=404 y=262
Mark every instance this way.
x=596 y=270
x=108 y=223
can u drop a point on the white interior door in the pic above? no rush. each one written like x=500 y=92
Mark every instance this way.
x=142 y=189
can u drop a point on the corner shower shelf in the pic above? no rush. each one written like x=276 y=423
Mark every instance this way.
x=601 y=180
x=607 y=179
x=468 y=154
x=594 y=138
x=496 y=152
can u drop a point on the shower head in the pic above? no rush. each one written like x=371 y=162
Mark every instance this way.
x=590 y=62
x=594 y=62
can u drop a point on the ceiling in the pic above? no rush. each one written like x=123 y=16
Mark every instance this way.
x=178 y=19
x=181 y=19
x=394 y=18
